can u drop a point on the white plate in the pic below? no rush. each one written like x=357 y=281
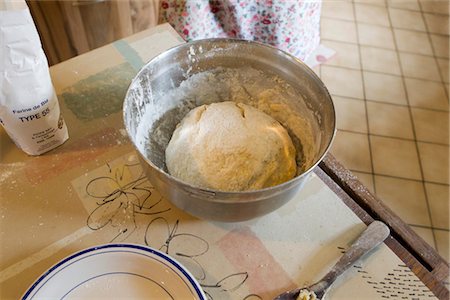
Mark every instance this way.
x=116 y=271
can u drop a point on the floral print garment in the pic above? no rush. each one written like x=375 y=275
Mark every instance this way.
x=290 y=25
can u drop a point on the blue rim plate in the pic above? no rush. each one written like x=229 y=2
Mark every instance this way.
x=115 y=271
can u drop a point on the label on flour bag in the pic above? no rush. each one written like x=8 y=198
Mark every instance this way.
x=29 y=108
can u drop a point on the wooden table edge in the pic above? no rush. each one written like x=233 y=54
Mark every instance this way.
x=419 y=256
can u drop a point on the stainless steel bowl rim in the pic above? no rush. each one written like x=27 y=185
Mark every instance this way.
x=272 y=189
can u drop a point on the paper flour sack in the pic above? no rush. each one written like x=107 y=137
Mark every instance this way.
x=29 y=108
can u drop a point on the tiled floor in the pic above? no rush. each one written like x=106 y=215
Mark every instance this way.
x=390 y=84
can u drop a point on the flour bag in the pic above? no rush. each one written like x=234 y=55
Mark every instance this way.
x=29 y=108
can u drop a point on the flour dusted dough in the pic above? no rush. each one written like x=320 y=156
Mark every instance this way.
x=230 y=146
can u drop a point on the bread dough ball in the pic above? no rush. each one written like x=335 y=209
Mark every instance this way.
x=230 y=146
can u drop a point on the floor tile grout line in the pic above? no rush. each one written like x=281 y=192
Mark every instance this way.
x=397 y=35
x=398 y=177
x=390 y=103
x=428 y=227
x=437 y=57
x=364 y=96
x=384 y=73
x=385 y=48
x=386 y=27
x=376 y=24
x=408 y=9
x=412 y=106
x=393 y=137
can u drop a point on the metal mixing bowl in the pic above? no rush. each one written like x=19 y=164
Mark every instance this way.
x=168 y=70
